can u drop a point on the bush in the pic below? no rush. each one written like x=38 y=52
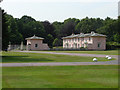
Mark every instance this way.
x=112 y=45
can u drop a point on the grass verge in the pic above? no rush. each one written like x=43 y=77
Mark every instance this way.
x=20 y=57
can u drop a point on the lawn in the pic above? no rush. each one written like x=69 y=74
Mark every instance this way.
x=20 y=57
x=93 y=76
x=108 y=52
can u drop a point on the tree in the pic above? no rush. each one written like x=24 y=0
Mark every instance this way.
x=57 y=29
x=68 y=27
x=16 y=30
x=28 y=27
x=5 y=32
x=110 y=29
x=48 y=27
x=87 y=25
x=56 y=42
x=49 y=40
x=15 y=36
x=117 y=37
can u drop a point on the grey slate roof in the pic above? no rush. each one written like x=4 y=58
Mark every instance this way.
x=92 y=34
x=34 y=37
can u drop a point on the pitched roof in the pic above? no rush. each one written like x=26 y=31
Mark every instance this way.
x=92 y=34
x=34 y=37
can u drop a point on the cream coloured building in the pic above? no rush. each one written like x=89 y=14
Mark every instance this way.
x=92 y=41
x=36 y=43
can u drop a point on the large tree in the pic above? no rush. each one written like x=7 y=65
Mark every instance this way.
x=49 y=29
x=5 y=32
x=57 y=29
x=15 y=35
x=19 y=29
x=28 y=27
x=69 y=26
x=110 y=28
x=87 y=25
x=49 y=40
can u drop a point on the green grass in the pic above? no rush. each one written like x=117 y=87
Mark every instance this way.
x=108 y=52
x=101 y=76
x=20 y=57
x=59 y=47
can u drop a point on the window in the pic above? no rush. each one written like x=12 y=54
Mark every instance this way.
x=98 y=45
x=82 y=45
x=36 y=45
x=82 y=39
x=75 y=39
x=78 y=39
x=89 y=38
x=78 y=45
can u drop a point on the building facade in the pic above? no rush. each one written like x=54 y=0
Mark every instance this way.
x=92 y=41
x=36 y=43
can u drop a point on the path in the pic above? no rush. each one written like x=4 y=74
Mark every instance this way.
x=73 y=54
x=113 y=62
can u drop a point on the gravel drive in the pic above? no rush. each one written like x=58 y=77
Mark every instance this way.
x=73 y=54
x=113 y=62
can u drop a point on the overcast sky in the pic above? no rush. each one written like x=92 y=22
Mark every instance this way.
x=59 y=10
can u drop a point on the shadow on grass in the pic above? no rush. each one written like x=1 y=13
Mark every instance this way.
x=8 y=59
x=13 y=56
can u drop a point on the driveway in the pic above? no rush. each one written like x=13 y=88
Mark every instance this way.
x=113 y=62
x=73 y=54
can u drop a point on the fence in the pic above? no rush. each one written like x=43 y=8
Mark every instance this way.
x=16 y=47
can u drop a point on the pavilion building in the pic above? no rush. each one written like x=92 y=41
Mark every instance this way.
x=36 y=43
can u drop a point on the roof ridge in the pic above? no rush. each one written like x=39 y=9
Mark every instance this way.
x=85 y=35
x=34 y=37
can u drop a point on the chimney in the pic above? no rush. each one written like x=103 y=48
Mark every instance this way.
x=81 y=33
x=72 y=33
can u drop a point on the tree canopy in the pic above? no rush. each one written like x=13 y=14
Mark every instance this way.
x=15 y=30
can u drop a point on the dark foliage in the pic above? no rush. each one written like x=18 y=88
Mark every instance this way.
x=16 y=30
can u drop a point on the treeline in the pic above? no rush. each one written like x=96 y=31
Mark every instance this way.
x=15 y=30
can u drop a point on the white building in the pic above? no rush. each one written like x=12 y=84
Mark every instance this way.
x=91 y=40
